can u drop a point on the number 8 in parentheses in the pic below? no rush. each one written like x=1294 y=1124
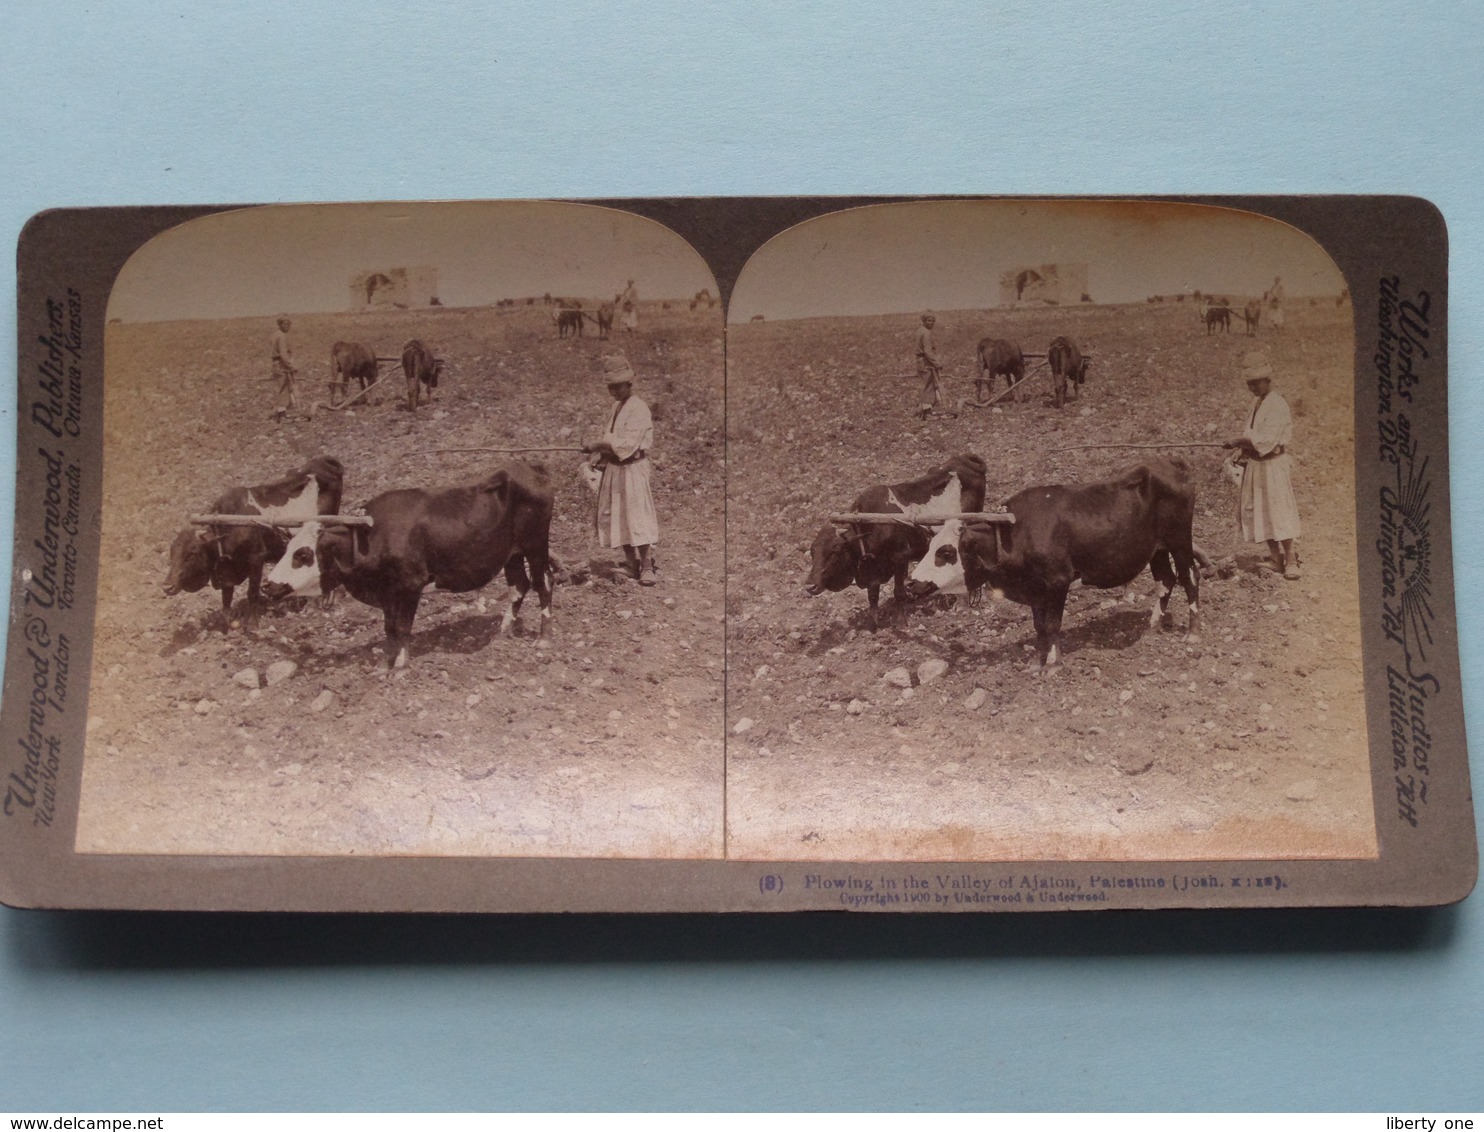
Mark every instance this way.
x=770 y=884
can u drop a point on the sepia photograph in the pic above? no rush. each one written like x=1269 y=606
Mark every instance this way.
x=411 y=538
x=1042 y=539
x=735 y=554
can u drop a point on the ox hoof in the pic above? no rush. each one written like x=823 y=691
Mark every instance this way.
x=1167 y=622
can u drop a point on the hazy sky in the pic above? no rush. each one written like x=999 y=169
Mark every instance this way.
x=300 y=258
x=948 y=255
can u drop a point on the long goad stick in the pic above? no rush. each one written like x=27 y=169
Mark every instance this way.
x=499 y=451
x=1191 y=444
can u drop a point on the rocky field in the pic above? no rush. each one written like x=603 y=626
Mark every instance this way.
x=929 y=737
x=280 y=736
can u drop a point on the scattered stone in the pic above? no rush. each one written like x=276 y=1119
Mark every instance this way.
x=472 y=699
x=930 y=670
x=743 y=726
x=1265 y=708
x=976 y=699
x=203 y=707
x=615 y=715
x=898 y=678
x=248 y=678
x=1124 y=696
x=855 y=707
x=1273 y=608
x=279 y=671
x=322 y=701
x=1305 y=791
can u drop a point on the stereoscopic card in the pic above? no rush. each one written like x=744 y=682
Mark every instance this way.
x=753 y=554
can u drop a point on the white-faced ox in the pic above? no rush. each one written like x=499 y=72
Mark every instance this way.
x=456 y=539
x=1101 y=534
x=871 y=554
x=226 y=557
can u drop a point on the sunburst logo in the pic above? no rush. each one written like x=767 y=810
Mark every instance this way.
x=1413 y=540
x=1406 y=560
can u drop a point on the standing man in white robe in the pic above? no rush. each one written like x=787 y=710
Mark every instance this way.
x=628 y=305
x=1267 y=511
x=625 y=514
x=1275 y=303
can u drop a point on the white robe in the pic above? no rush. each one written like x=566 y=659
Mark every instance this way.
x=1268 y=509
x=625 y=515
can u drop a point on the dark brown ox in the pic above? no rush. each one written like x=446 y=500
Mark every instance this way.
x=995 y=356
x=456 y=539
x=569 y=321
x=226 y=557
x=1067 y=365
x=869 y=555
x=421 y=370
x=1218 y=315
x=351 y=360
x=1101 y=534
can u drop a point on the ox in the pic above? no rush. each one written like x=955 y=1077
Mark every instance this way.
x=1101 y=534
x=1067 y=364
x=421 y=369
x=1252 y=315
x=569 y=321
x=456 y=539
x=605 y=320
x=871 y=554
x=351 y=360
x=1218 y=315
x=226 y=557
x=996 y=356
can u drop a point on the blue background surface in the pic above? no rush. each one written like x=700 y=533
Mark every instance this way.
x=182 y=103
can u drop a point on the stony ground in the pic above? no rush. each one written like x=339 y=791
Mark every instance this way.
x=1250 y=743
x=604 y=740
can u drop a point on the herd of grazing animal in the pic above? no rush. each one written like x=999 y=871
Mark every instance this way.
x=456 y=539
x=1102 y=534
